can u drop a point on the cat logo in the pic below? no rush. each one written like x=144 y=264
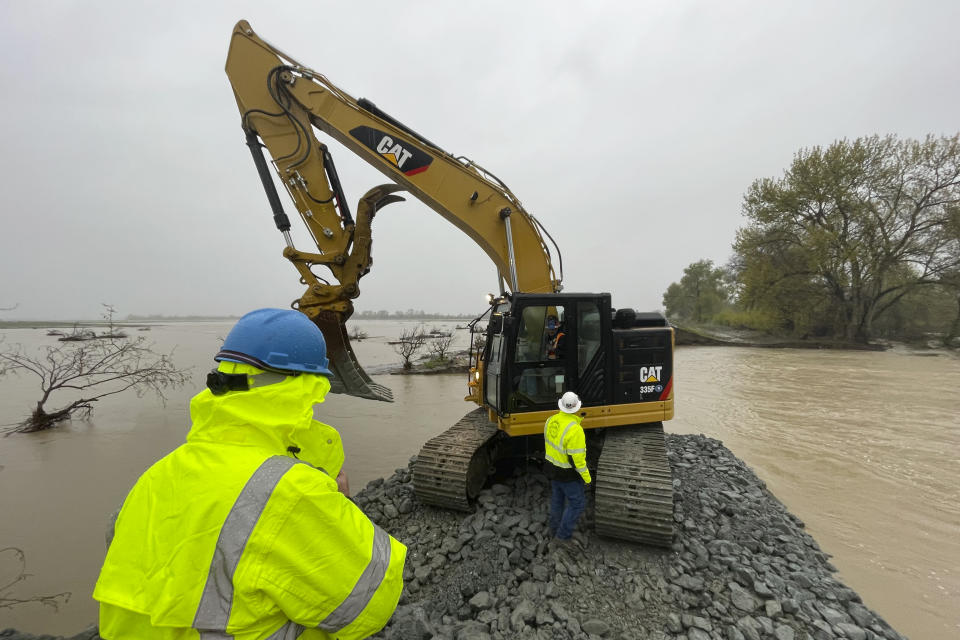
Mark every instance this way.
x=402 y=155
x=650 y=374
x=393 y=152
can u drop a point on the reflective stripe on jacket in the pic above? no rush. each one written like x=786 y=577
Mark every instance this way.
x=229 y=536
x=565 y=441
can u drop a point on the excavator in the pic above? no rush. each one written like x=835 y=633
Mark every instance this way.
x=539 y=341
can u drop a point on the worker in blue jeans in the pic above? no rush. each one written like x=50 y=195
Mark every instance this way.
x=566 y=455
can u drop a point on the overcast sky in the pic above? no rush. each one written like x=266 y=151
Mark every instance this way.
x=630 y=129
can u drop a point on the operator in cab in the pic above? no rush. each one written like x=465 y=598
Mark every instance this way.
x=554 y=338
x=244 y=531
x=566 y=455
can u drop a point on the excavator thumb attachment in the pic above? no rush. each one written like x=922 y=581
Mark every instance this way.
x=348 y=376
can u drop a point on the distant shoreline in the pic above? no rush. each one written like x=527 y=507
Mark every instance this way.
x=135 y=320
x=709 y=337
x=139 y=322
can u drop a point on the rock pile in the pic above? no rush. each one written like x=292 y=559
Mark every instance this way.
x=741 y=566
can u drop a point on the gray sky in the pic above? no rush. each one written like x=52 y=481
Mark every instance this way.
x=630 y=129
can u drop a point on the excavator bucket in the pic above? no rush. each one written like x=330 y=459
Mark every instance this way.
x=348 y=376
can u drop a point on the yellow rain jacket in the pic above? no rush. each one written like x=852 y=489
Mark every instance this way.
x=564 y=442
x=234 y=535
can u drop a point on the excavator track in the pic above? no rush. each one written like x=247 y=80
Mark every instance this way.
x=451 y=468
x=634 y=494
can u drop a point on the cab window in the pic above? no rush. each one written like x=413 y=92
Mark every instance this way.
x=541 y=369
x=588 y=334
x=541 y=335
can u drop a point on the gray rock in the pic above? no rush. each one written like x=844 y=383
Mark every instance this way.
x=766 y=625
x=559 y=611
x=422 y=573
x=693 y=633
x=802 y=580
x=690 y=583
x=530 y=590
x=733 y=633
x=595 y=627
x=673 y=624
x=540 y=573
x=523 y=613
x=852 y=631
x=783 y=632
x=860 y=614
x=411 y=621
x=482 y=600
x=741 y=598
x=773 y=609
x=749 y=627
x=544 y=618
x=743 y=576
x=831 y=615
x=390 y=511
x=761 y=589
x=696 y=621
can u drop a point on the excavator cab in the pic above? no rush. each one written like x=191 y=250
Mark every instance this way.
x=546 y=345
x=542 y=345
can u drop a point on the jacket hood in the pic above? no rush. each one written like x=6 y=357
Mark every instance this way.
x=271 y=415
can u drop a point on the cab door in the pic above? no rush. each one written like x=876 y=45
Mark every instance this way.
x=542 y=366
x=543 y=363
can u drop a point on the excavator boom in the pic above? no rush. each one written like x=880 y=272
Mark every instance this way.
x=281 y=103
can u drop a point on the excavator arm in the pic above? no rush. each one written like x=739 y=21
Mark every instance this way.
x=281 y=102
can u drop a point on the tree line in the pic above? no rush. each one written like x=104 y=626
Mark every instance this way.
x=411 y=314
x=855 y=241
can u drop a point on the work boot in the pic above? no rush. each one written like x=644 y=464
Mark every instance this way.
x=579 y=539
x=561 y=545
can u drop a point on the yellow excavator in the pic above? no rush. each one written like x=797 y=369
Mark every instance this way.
x=539 y=342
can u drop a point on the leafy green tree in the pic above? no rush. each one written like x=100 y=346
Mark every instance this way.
x=851 y=229
x=951 y=280
x=701 y=293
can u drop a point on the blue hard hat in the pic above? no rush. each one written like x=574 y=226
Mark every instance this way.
x=281 y=340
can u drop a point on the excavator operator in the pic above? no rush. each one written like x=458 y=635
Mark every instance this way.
x=554 y=339
x=243 y=532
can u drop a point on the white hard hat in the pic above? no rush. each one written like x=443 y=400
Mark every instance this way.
x=569 y=402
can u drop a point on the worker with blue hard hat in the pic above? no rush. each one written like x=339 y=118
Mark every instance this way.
x=244 y=531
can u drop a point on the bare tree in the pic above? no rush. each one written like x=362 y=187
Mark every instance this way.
x=410 y=342
x=19 y=574
x=479 y=341
x=440 y=346
x=88 y=371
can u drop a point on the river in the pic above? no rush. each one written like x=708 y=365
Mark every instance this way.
x=862 y=446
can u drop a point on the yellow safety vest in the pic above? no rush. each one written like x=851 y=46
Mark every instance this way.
x=564 y=441
x=232 y=537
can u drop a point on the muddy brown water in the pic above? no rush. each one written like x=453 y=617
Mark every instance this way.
x=863 y=446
